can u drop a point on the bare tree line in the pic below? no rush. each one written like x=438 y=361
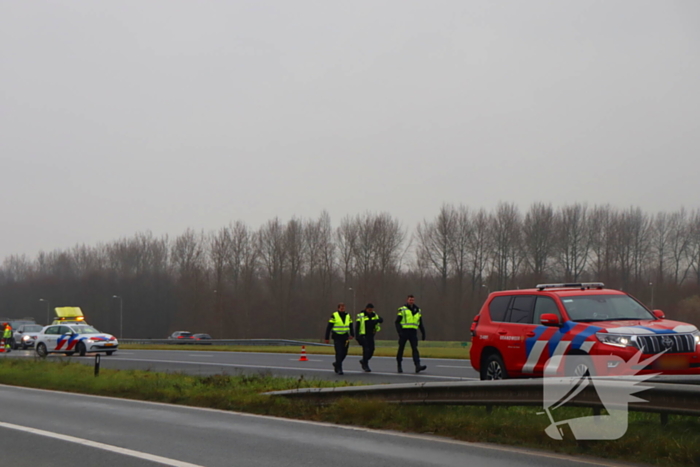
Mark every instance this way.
x=284 y=278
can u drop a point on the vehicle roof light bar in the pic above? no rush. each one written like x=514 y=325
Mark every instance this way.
x=577 y=285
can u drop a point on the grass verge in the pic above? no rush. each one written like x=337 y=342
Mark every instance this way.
x=646 y=440
x=428 y=349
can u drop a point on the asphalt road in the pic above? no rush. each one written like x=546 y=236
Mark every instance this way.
x=279 y=364
x=40 y=427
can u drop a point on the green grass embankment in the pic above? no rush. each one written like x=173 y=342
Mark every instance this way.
x=647 y=440
x=385 y=348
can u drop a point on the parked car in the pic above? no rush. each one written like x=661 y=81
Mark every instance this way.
x=517 y=332
x=25 y=336
x=72 y=338
x=182 y=337
x=202 y=337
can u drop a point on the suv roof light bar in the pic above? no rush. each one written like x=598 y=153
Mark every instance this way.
x=577 y=285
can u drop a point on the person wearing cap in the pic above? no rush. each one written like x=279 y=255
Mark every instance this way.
x=366 y=327
x=340 y=326
x=408 y=322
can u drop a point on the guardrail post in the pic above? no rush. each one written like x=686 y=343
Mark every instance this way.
x=664 y=419
x=97 y=365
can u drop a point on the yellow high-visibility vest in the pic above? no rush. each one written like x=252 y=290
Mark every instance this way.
x=409 y=320
x=362 y=318
x=340 y=327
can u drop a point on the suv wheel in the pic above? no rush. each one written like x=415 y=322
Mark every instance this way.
x=493 y=368
x=81 y=349
x=578 y=366
x=41 y=350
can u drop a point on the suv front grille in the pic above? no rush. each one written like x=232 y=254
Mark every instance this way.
x=675 y=343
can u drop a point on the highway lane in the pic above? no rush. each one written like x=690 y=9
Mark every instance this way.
x=130 y=433
x=279 y=364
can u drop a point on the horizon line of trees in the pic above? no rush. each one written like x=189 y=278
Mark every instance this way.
x=285 y=278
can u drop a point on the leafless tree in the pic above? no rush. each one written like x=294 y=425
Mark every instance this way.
x=573 y=240
x=480 y=243
x=347 y=238
x=694 y=245
x=538 y=238
x=600 y=228
x=679 y=241
x=436 y=243
x=508 y=253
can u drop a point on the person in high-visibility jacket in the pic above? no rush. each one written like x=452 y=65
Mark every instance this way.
x=7 y=337
x=340 y=326
x=408 y=321
x=366 y=327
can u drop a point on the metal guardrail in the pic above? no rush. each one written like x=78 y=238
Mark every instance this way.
x=662 y=398
x=222 y=342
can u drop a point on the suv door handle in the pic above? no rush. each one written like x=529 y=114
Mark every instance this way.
x=530 y=334
x=503 y=332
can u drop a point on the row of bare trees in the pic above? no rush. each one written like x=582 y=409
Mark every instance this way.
x=284 y=278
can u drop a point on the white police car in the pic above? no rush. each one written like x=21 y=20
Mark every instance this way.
x=71 y=338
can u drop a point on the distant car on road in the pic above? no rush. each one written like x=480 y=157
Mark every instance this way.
x=25 y=335
x=202 y=337
x=69 y=339
x=183 y=337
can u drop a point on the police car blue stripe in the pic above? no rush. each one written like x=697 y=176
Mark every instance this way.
x=581 y=337
x=530 y=341
x=556 y=338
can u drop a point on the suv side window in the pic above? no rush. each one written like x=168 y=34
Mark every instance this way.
x=498 y=308
x=51 y=330
x=65 y=330
x=545 y=305
x=521 y=310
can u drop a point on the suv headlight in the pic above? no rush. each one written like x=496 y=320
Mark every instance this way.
x=696 y=336
x=618 y=340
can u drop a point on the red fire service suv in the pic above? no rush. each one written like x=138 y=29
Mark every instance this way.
x=517 y=332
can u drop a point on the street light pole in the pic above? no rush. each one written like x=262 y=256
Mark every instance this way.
x=48 y=316
x=121 y=315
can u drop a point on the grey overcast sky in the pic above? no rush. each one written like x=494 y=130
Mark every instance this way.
x=119 y=117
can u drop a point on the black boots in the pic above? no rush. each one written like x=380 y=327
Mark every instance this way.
x=338 y=369
x=420 y=368
x=365 y=366
x=399 y=369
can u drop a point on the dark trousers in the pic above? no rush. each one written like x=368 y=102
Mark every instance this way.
x=341 y=344
x=367 y=343
x=410 y=335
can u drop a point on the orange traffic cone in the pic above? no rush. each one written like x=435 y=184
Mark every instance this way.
x=303 y=354
x=2 y=345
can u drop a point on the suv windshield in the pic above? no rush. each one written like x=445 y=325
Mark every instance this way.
x=36 y=328
x=605 y=308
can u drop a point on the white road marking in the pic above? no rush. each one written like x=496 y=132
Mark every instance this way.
x=453 y=366
x=261 y=367
x=104 y=447
x=309 y=360
x=199 y=355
